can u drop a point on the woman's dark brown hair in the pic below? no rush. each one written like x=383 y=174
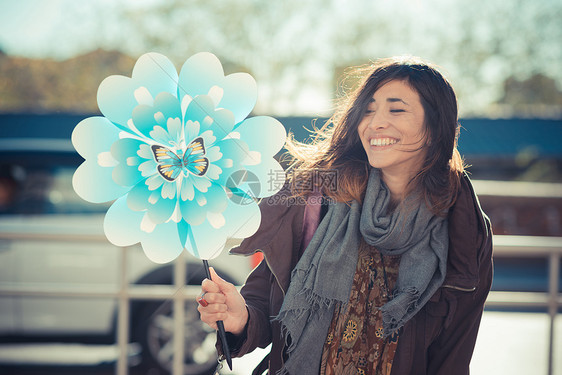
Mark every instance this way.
x=337 y=146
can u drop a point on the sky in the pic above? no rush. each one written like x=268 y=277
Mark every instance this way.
x=31 y=27
x=26 y=27
x=62 y=29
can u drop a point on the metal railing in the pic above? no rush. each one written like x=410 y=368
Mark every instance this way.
x=532 y=247
x=179 y=293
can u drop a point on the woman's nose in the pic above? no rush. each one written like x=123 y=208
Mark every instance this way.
x=379 y=121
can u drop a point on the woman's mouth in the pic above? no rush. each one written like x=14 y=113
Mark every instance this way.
x=383 y=141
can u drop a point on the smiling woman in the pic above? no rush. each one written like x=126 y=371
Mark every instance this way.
x=386 y=273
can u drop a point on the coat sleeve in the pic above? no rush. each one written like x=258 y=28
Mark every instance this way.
x=452 y=350
x=278 y=238
x=471 y=268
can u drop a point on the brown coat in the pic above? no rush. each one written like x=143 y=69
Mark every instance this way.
x=439 y=340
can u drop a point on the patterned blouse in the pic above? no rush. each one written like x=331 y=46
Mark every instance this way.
x=355 y=343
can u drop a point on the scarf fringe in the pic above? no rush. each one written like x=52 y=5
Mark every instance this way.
x=315 y=302
x=286 y=335
x=395 y=312
x=316 y=308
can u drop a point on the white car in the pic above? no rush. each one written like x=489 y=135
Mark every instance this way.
x=36 y=198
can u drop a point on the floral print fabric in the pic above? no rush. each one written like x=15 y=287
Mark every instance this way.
x=355 y=343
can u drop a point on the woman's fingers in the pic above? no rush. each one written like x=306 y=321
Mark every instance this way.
x=212 y=313
x=212 y=307
x=220 y=300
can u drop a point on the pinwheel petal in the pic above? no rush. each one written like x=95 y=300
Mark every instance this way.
x=192 y=212
x=202 y=74
x=95 y=184
x=242 y=220
x=146 y=118
x=95 y=128
x=163 y=245
x=119 y=95
x=161 y=210
x=240 y=95
x=121 y=225
x=270 y=175
x=178 y=158
x=125 y=152
x=138 y=196
x=201 y=110
x=205 y=242
x=252 y=131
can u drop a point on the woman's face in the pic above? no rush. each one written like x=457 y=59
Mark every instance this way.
x=392 y=130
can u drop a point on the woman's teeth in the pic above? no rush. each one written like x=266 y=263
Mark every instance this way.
x=383 y=141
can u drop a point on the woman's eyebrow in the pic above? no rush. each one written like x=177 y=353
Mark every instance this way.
x=391 y=100
x=395 y=100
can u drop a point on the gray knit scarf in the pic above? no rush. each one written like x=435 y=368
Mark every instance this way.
x=324 y=275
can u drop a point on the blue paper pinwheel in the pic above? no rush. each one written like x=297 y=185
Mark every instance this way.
x=178 y=157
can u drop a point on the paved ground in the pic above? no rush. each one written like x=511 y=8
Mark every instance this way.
x=508 y=344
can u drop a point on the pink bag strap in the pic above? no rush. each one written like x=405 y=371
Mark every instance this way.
x=311 y=219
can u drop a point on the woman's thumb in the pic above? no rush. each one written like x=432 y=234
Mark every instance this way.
x=224 y=285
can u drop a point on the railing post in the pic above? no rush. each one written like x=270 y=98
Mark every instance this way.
x=123 y=317
x=179 y=314
x=553 y=276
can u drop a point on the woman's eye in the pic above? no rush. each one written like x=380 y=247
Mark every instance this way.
x=396 y=110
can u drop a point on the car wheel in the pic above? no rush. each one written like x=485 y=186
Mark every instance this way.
x=154 y=331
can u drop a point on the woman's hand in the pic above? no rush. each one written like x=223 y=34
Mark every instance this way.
x=222 y=301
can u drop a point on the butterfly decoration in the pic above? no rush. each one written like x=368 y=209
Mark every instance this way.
x=170 y=165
